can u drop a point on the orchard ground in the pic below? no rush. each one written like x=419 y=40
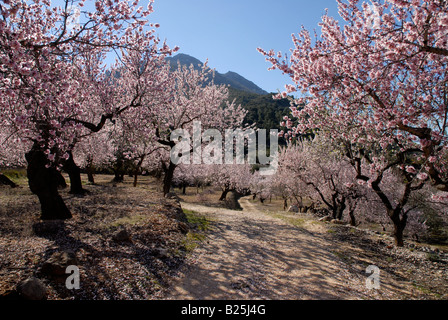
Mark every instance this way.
x=257 y=252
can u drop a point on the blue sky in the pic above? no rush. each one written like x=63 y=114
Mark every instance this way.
x=228 y=32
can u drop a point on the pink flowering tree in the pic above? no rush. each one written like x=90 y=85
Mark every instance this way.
x=319 y=171
x=377 y=84
x=231 y=177
x=284 y=183
x=316 y=170
x=12 y=153
x=193 y=97
x=95 y=151
x=192 y=175
x=145 y=77
x=48 y=81
x=265 y=186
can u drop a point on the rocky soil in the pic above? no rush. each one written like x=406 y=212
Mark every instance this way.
x=126 y=243
x=132 y=243
x=251 y=254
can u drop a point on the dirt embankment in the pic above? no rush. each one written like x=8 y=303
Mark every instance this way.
x=126 y=242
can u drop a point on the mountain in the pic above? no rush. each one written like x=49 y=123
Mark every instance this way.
x=233 y=79
x=262 y=109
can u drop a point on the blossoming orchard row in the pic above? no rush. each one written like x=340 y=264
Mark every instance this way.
x=368 y=122
x=375 y=85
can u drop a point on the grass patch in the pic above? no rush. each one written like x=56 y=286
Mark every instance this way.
x=199 y=224
x=295 y=221
x=340 y=254
x=197 y=220
x=18 y=176
x=130 y=220
x=192 y=241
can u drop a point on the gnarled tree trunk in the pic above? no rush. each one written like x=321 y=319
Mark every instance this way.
x=44 y=183
x=90 y=169
x=224 y=194
x=399 y=225
x=74 y=172
x=168 y=178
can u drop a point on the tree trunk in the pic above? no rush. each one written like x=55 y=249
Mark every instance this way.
x=137 y=170
x=184 y=188
x=135 y=178
x=90 y=171
x=62 y=184
x=398 y=235
x=224 y=195
x=90 y=176
x=352 y=204
x=351 y=213
x=118 y=169
x=118 y=176
x=74 y=172
x=399 y=226
x=340 y=208
x=44 y=182
x=168 y=178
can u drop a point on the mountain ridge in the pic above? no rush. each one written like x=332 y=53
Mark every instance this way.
x=231 y=78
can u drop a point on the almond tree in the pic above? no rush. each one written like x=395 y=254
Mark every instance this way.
x=318 y=171
x=12 y=153
x=231 y=177
x=266 y=186
x=95 y=151
x=145 y=76
x=377 y=85
x=193 y=97
x=47 y=83
x=196 y=175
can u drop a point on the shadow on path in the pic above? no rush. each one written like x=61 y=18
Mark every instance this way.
x=250 y=255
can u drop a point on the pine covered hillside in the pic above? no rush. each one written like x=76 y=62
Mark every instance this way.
x=262 y=109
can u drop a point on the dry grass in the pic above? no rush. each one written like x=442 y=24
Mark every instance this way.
x=208 y=196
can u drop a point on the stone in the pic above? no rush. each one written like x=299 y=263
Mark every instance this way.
x=326 y=219
x=176 y=212
x=171 y=195
x=121 y=235
x=32 y=289
x=58 y=263
x=4 y=180
x=161 y=253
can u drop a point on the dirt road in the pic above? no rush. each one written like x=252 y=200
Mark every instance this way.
x=251 y=255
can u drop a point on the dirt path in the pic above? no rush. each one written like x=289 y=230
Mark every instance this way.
x=251 y=255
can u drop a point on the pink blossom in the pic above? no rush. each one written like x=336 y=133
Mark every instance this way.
x=410 y=169
x=422 y=176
